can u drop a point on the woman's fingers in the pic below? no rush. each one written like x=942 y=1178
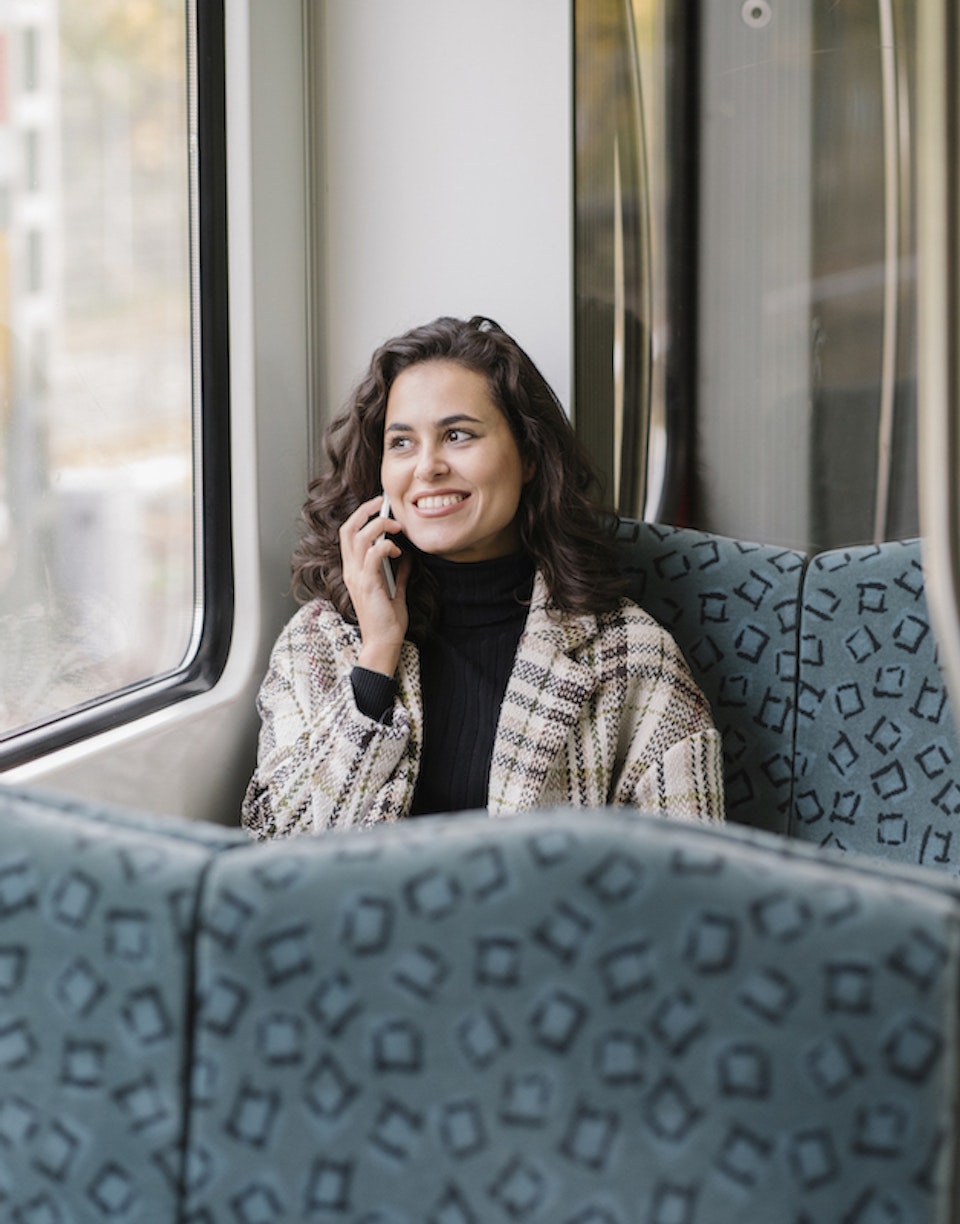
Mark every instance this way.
x=366 y=549
x=363 y=516
x=365 y=538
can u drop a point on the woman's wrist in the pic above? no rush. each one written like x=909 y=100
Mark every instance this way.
x=380 y=657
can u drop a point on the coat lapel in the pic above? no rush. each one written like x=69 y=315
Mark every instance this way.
x=545 y=698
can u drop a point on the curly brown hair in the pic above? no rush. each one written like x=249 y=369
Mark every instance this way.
x=562 y=523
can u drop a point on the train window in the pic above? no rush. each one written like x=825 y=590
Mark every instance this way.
x=746 y=264
x=112 y=364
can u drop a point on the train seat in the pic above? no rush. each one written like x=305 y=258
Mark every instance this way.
x=733 y=609
x=587 y=1017
x=877 y=758
x=96 y=924
x=823 y=678
x=581 y=1017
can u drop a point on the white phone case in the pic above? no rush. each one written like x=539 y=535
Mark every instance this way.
x=387 y=567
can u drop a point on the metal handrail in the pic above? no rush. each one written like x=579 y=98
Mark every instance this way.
x=891 y=253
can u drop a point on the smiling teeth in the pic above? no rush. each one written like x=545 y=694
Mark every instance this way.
x=437 y=503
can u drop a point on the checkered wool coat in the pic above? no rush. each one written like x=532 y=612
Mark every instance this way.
x=599 y=710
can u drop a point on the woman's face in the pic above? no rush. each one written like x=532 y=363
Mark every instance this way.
x=451 y=466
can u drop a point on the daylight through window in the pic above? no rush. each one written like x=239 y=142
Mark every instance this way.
x=97 y=531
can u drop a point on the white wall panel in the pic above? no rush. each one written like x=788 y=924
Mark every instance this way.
x=445 y=175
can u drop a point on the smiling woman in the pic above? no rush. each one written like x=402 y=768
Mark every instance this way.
x=504 y=671
x=451 y=465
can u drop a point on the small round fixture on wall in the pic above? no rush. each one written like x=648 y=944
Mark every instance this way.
x=756 y=14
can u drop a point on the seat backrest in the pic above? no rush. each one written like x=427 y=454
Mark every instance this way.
x=877 y=754
x=96 y=918
x=732 y=608
x=580 y=1016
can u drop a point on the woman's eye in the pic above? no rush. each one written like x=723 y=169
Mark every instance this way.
x=397 y=443
x=459 y=435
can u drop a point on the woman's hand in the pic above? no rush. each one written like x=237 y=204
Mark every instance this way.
x=365 y=543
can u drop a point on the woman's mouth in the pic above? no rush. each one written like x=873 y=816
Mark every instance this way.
x=439 y=501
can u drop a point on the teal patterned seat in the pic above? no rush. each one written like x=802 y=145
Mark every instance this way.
x=569 y=1017
x=732 y=608
x=574 y=1018
x=877 y=754
x=96 y=928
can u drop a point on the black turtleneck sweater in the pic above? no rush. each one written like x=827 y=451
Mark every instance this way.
x=464 y=668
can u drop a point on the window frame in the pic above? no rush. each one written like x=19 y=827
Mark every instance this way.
x=214 y=566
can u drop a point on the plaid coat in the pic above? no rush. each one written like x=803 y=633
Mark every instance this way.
x=599 y=710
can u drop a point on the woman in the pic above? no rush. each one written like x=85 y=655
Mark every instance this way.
x=505 y=671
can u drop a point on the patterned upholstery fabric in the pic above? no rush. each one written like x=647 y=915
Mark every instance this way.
x=732 y=608
x=570 y=1018
x=877 y=755
x=564 y=1018
x=96 y=911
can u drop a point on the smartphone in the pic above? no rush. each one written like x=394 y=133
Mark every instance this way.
x=387 y=567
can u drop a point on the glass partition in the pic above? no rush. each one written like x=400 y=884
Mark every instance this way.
x=769 y=202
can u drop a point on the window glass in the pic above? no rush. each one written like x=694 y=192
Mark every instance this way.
x=770 y=392
x=97 y=532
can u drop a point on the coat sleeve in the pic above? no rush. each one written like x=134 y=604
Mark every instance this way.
x=321 y=763
x=673 y=759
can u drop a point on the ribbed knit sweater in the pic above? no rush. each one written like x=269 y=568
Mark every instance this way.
x=464 y=669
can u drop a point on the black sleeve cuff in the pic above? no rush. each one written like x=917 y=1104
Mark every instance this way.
x=374 y=693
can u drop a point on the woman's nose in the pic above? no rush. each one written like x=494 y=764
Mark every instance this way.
x=431 y=463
